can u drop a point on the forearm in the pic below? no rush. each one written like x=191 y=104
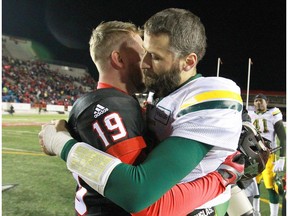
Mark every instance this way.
x=136 y=187
x=281 y=133
x=166 y=165
x=184 y=198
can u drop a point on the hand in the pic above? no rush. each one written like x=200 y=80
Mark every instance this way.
x=232 y=168
x=53 y=137
x=279 y=165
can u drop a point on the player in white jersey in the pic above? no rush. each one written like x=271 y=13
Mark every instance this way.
x=198 y=120
x=190 y=112
x=201 y=109
x=269 y=123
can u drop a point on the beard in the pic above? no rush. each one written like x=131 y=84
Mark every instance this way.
x=163 y=83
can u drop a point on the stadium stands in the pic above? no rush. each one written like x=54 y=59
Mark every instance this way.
x=26 y=79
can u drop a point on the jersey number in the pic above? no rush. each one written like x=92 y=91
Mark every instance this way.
x=258 y=127
x=112 y=122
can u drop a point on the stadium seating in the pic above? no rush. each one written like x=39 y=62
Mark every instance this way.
x=26 y=79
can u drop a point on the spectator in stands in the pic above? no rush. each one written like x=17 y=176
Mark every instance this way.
x=35 y=76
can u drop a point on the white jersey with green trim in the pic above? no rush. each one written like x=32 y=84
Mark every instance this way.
x=205 y=109
x=264 y=123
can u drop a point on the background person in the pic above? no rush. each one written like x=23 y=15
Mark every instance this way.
x=11 y=110
x=269 y=122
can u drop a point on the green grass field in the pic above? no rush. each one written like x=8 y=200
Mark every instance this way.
x=44 y=187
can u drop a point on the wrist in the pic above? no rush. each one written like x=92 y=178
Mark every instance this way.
x=66 y=149
x=59 y=140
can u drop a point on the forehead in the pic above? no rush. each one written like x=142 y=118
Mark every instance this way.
x=259 y=99
x=156 y=43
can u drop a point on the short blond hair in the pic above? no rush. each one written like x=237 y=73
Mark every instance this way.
x=107 y=36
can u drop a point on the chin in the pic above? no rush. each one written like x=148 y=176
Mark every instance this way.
x=140 y=87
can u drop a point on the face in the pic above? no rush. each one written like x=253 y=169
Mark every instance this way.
x=260 y=104
x=161 y=69
x=132 y=54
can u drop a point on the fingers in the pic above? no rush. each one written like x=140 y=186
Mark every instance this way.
x=46 y=131
x=239 y=158
x=61 y=125
x=45 y=125
x=44 y=149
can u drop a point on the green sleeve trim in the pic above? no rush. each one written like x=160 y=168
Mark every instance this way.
x=66 y=149
x=137 y=187
x=217 y=104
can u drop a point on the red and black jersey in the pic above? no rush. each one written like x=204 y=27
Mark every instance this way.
x=111 y=121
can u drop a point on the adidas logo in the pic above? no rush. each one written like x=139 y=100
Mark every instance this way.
x=99 y=110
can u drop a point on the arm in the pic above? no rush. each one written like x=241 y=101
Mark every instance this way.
x=181 y=198
x=166 y=165
x=90 y=159
x=281 y=134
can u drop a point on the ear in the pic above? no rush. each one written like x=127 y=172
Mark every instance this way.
x=190 y=62
x=116 y=60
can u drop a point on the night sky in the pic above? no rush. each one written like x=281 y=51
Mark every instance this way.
x=236 y=31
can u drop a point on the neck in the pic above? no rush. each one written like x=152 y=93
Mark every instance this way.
x=115 y=81
x=187 y=75
x=261 y=111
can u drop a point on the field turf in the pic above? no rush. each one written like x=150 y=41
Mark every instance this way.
x=42 y=184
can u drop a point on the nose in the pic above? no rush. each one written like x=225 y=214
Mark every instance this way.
x=146 y=61
x=257 y=103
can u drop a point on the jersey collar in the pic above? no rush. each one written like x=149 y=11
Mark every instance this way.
x=102 y=85
x=190 y=79
x=261 y=112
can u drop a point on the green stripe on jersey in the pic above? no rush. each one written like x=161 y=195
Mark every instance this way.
x=218 y=104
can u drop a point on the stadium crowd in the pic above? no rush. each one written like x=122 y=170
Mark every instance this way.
x=34 y=82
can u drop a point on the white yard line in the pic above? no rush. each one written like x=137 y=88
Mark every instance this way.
x=21 y=150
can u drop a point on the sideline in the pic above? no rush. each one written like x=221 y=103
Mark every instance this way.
x=22 y=124
x=19 y=150
x=23 y=153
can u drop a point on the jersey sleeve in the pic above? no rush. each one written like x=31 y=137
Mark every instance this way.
x=276 y=115
x=147 y=182
x=182 y=199
x=164 y=167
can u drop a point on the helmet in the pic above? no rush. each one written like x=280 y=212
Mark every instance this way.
x=256 y=151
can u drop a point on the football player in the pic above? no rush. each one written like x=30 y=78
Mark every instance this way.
x=197 y=121
x=269 y=123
